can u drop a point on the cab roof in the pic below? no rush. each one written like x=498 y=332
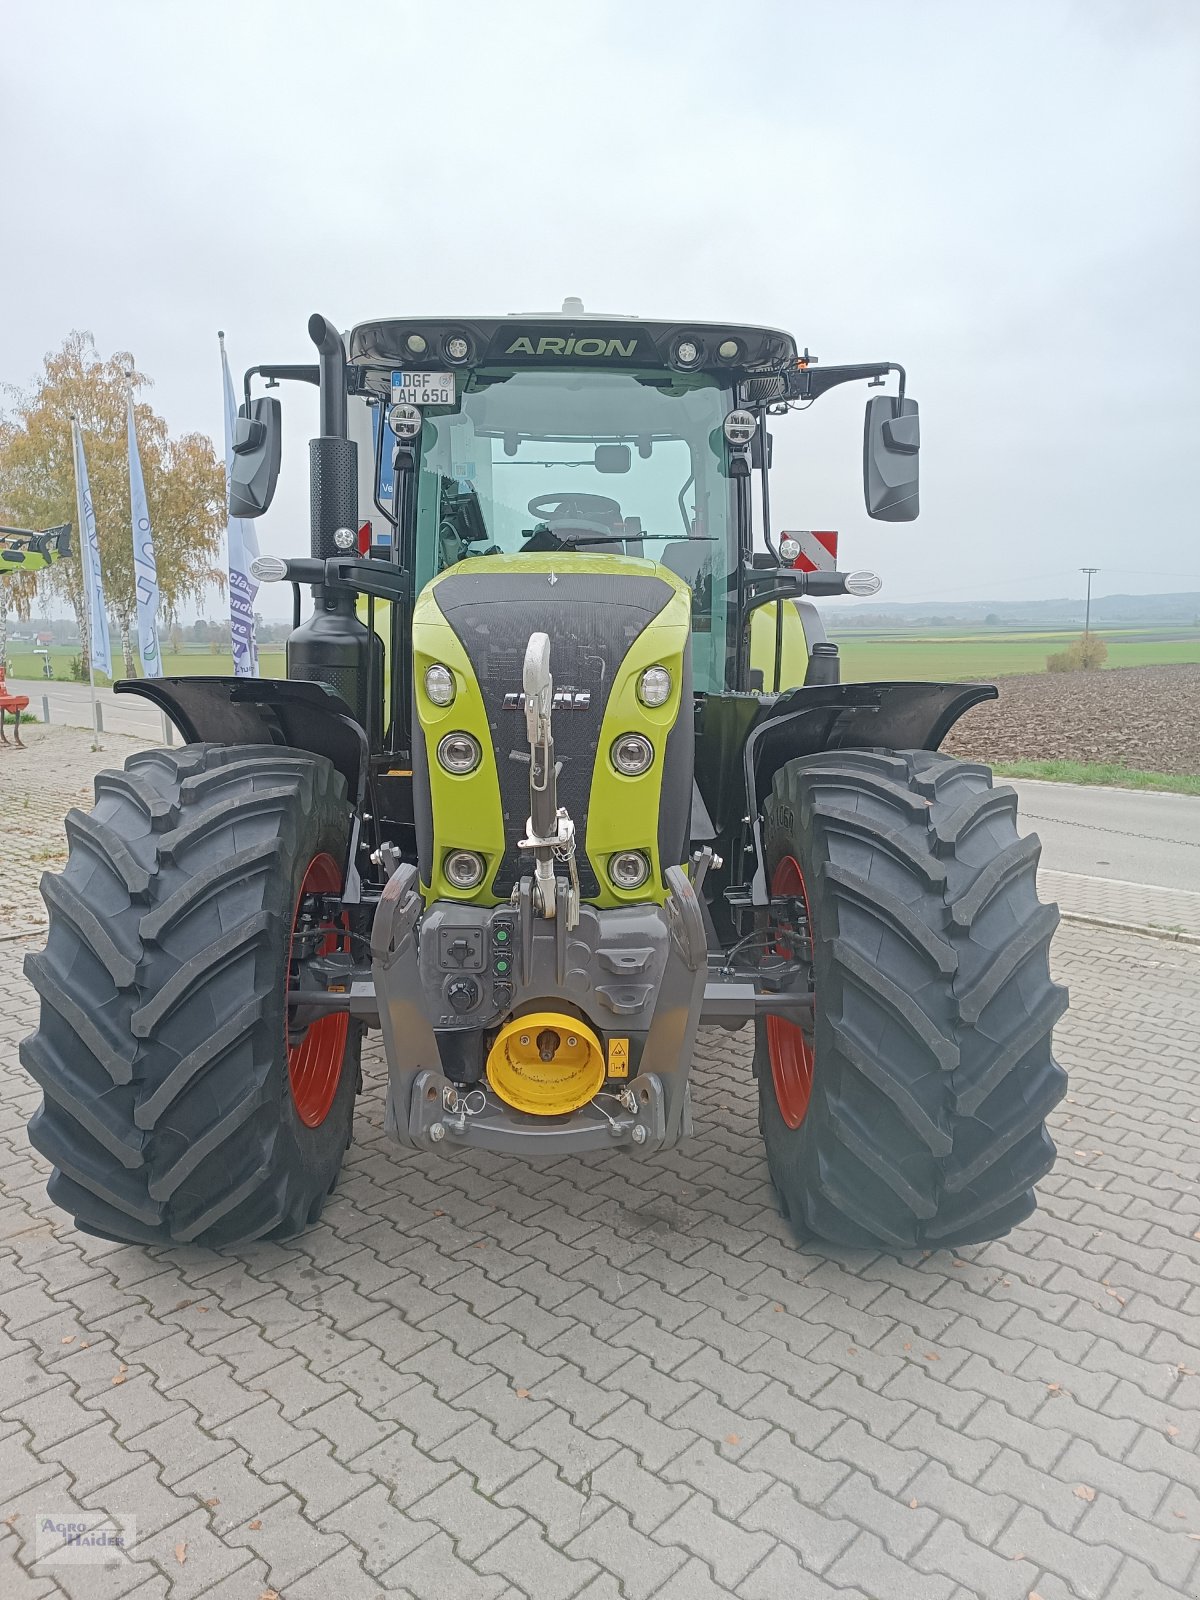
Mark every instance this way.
x=571 y=337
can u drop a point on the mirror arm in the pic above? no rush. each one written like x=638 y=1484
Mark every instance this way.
x=809 y=383
x=280 y=374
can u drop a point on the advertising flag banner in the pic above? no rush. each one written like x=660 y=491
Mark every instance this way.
x=243 y=548
x=144 y=568
x=93 y=578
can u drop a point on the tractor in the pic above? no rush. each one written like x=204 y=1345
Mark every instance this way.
x=562 y=771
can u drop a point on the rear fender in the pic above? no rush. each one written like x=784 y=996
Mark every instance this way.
x=846 y=716
x=297 y=715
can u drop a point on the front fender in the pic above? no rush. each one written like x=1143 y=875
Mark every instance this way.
x=847 y=716
x=853 y=716
x=293 y=713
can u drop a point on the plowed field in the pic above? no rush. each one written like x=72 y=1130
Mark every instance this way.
x=1143 y=717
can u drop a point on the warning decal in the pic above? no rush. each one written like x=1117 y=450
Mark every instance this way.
x=618 y=1058
x=818 y=551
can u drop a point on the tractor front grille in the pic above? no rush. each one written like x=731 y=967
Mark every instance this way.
x=592 y=619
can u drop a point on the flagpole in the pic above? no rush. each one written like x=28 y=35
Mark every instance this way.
x=96 y=745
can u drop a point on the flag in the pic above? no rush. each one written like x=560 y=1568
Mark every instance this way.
x=144 y=568
x=89 y=547
x=243 y=548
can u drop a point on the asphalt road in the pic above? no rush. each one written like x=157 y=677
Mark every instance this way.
x=70 y=705
x=1125 y=834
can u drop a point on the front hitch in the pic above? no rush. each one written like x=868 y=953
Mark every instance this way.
x=549 y=831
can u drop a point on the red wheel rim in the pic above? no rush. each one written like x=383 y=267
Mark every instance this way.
x=315 y=1061
x=788 y=1046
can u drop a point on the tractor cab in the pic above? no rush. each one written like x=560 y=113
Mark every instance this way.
x=562 y=434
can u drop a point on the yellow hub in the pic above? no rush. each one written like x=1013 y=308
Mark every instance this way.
x=546 y=1063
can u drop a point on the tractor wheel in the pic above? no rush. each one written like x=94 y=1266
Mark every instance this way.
x=911 y=1112
x=177 y=1105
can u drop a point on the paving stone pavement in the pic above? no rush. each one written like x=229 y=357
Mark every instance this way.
x=596 y=1380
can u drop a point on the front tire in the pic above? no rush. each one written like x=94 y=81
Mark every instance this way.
x=912 y=1111
x=176 y=1108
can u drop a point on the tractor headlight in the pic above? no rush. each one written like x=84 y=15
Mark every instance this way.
x=463 y=868
x=416 y=344
x=458 y=347
x=439 y=684
x=632 y=754
x=789 y=549
x=404 y=420
x=654 y=686
x=687 y=353
x=459 y=753
x=629 y=869
x=740 y=427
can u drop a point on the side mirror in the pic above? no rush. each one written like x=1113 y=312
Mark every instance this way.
x=891 y=459
x=257 y=448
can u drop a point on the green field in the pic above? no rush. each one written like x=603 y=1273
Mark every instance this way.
x=22 y=663
x=950 y=654
x=878 y=654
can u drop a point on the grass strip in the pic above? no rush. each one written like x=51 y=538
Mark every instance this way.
x=1110 y=774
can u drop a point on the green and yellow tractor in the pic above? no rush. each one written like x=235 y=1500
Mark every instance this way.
x=562 y=771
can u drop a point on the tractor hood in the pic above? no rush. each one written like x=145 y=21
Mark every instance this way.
x=608 y=620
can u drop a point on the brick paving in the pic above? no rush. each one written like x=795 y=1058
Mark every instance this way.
x=1172 y=913
x=597 y=1380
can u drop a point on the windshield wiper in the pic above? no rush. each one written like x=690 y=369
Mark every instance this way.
x=566 y=539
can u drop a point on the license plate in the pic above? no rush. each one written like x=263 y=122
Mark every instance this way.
x=423 y=388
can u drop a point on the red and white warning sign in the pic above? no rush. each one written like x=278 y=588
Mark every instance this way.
x=818 y=550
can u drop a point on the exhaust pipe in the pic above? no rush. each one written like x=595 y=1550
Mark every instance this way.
x=333 y=457
x=333 y=375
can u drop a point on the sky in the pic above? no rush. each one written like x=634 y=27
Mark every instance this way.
x=1005 y=198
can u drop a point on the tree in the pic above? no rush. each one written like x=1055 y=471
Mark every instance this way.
x=185 y=482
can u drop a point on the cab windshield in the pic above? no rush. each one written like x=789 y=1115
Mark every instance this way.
x=619 y=463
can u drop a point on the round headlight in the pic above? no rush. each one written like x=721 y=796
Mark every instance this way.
x=463 y=868
x=457 y=347
x=345 y=538
x=863 y=583
x=687 y=353
x=739 y=427
x=459 y=753
x=729 y=350
x=416 y=344
x=789 y=549
x=632 y=754
x=654 y=686
x=404 y=420
x=439 y=684
x=629 y=869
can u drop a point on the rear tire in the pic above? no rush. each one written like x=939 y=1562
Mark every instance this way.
x=930 y=1053
x=162 y=1047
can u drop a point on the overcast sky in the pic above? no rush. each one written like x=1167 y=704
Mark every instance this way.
x=1004 y=197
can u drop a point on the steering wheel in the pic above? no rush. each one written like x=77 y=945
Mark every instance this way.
x=586 y=513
